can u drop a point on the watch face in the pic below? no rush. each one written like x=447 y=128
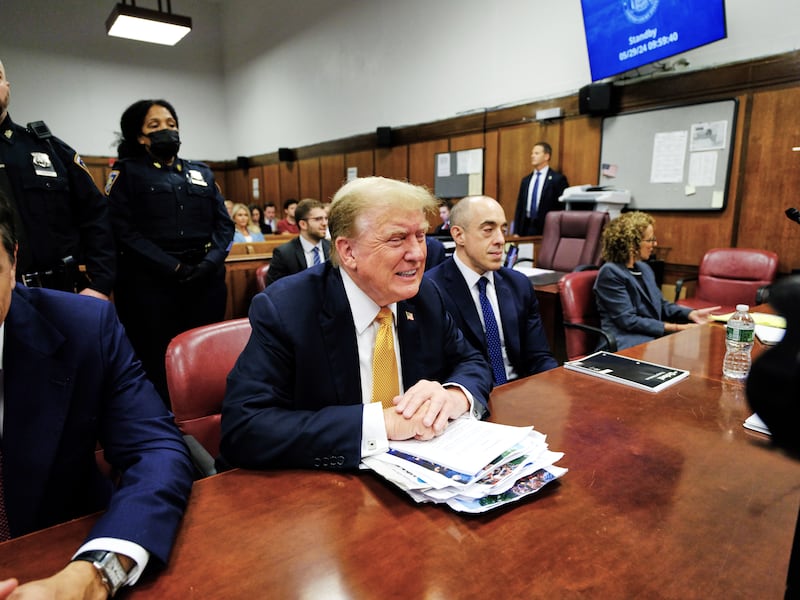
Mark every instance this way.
x=114 y=571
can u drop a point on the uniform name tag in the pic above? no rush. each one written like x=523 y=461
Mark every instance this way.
x=42 y=165
x=196 y=177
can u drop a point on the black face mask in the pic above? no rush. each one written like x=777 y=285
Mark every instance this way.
x=164 y=143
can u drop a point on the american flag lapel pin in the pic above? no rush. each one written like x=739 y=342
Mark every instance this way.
x=409 y=316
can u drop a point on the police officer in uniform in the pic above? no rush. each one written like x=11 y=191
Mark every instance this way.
x=61 y=215
x=172 y=233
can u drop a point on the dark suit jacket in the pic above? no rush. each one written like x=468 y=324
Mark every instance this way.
x=633 y=315
x=289 y=258
x=294 y=395
x=526 y=343
x=553 y=187
x=71 y=380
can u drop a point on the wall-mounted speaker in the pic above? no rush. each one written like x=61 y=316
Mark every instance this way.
x=286 y=154
x=384 y=135
x=243 y=162
x=597 y=99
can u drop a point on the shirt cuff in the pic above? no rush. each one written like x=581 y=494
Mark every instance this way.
x=135 y=552
x=475 y=410
x=373 y=430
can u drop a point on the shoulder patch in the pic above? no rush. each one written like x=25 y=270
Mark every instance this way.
x=79 y=161
x=112 y=177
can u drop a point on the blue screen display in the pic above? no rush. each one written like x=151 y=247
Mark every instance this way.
x=624 y=34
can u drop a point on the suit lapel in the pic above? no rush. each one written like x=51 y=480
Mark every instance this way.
x=508 y=314
x=461 y=295
x=409 y=339
x=339 y=337
x=299 y=255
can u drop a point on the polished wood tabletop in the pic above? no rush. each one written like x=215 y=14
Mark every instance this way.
x=667 y=496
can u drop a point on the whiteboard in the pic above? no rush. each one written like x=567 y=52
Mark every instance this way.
x=675 y=158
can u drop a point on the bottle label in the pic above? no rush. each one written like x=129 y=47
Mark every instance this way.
x=737 y=334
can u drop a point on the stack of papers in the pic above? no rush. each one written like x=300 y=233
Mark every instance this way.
x=755 y=423
x=472 y=467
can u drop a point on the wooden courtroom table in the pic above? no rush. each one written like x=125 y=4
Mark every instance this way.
x=667 y=496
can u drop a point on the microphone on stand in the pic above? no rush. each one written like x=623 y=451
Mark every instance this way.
x=793 y=214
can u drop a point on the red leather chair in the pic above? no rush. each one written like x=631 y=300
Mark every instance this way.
x=571 y=238
x=729 y=276
x=261 y=277
x=582 y=331
x=198 y=362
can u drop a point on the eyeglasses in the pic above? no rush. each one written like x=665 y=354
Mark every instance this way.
x=651 y=240
x=315 y=219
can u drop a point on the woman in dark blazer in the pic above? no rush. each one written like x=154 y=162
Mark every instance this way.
x=629 y=300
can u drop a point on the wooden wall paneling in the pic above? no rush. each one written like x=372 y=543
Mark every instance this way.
x=364 y=161
x=772 y=177
x=270 y=187
x=580 y=151
x=288 y=175
x=491 y=165
x=332 y=175
x=309 y=178
x=422 y=159
x=514 y=162
x=392 y=162
x=236 y=186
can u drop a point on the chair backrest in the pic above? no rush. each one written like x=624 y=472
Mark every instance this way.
x=571 y=238
x=578 y=306
x=198 y=362
x=261 y=276
x=731 y=276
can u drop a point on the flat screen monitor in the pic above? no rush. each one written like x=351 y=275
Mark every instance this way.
x=625 y=34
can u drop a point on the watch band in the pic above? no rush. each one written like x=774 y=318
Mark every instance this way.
x=111 y=571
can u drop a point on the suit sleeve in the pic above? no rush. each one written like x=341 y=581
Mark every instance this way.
x=266 y=421
x=90 y=210
x=140 y=439
x=277 y=265
x=537 y=353
x=615 y=297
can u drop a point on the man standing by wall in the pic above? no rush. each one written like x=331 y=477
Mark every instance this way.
x=538 y=192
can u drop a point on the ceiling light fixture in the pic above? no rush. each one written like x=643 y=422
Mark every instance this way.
x=146 y=25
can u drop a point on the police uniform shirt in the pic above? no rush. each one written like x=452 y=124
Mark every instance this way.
x=62 y=211
x=159 y=211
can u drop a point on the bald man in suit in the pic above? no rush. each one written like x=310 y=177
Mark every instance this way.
x=478 y=224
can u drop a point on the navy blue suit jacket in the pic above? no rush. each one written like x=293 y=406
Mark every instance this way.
x=289 y=258
x=634 y=315
x=553 y=187
x=526 y=343
x=71 y=380
x=294 y=395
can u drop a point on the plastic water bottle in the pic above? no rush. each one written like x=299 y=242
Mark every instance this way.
x=738 y=343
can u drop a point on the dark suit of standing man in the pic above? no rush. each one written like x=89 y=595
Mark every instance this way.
x=301 y=392
x=70 y=380
x=296 y=255
x=551 y=186
x=477 y=225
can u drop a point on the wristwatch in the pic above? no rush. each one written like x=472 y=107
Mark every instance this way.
x=108 y=566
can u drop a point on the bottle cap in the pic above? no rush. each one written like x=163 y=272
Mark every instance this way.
x=742 y=307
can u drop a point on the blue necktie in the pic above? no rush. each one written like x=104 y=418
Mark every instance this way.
x=532 y=211
x=492 y=335
x=317 y=259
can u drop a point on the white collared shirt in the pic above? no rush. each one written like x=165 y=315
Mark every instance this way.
x=471 y=277
x=373 y=428
x=542 y=176
x=308 y=250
